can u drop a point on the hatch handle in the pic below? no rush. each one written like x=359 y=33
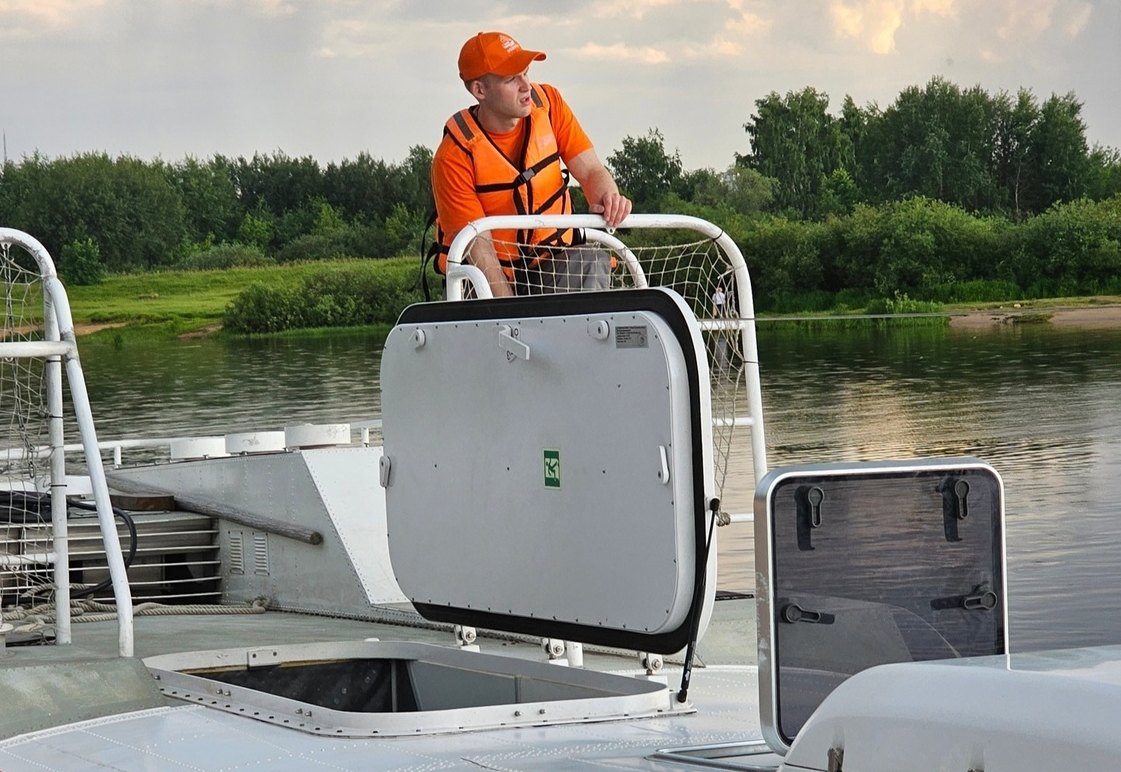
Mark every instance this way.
x=792 y=613
x=955 y=506
x=663 y=472
x=982 y=601
x=961 y=491
x=809 y=500
x=508 y=342
x=815 y=496
x=980 y=598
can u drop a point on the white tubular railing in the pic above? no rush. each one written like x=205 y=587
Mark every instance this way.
x=59 y=347
x=596 y=230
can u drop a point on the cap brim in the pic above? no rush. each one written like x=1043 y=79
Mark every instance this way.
x=519 y=62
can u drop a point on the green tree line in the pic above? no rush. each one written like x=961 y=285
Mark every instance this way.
x=125 y=214
x=991 y=155
x=945 y=191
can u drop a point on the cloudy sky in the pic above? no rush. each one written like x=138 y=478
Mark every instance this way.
x=333 y=78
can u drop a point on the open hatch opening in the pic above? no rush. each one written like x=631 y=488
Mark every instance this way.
x=393 y=688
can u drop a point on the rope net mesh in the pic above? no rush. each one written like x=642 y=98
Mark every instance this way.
x=700 y=273
x=25 y=526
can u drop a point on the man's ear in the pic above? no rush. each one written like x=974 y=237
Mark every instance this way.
x=477 y=88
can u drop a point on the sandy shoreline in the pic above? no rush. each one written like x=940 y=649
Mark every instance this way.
x=1097 y=316
x=1101 y=316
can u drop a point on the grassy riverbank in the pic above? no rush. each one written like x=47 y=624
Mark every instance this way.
x=172 y=304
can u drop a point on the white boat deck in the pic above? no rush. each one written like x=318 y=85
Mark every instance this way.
x=154 y=732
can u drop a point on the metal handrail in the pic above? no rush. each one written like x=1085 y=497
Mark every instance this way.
x=60 y=350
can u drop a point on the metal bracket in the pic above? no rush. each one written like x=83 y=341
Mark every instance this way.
x=663 y=469
x=262 y=657
x=654 y=665
x=385 y=468
x=465 y=637
x=554 y=647
x=508 y=342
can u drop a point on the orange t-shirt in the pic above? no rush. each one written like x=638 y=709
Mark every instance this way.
x=453 y=174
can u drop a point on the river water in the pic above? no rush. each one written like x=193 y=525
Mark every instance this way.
x=1041 y=404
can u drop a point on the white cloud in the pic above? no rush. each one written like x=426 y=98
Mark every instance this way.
x=35 y=18
x=945 y=8
x=747 y=23
x=726 y=47
x=347 y=38
x=620 y=52
x=990 y=56
x=51 y=12
x=1018 y=28
x=275 y=7
x=632 y=9
x=872 y=22
x=1078 y=20
x=1025 y=20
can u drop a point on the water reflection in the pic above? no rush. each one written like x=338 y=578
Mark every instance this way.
x=1040 y=404
x=206 y=387
x=1043 y=405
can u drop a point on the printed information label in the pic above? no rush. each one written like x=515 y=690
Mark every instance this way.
x=634 y=336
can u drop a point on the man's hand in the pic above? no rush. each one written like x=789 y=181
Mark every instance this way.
x=481 y=254
x=614 y=207
x=599 y=188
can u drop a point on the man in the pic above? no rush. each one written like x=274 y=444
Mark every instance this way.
x=504 y=156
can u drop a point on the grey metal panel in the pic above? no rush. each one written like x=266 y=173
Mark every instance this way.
x=333 y=490
x=347 y=481
x=475 y=520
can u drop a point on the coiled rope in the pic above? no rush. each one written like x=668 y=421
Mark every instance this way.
x=35 y=617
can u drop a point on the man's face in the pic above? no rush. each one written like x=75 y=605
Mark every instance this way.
x=506 y=96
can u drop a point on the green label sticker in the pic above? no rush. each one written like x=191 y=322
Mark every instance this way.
x=552 y=468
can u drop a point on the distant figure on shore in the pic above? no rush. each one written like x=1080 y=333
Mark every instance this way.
x=718 y=301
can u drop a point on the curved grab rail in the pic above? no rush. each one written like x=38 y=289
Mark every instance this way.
x=58 y=346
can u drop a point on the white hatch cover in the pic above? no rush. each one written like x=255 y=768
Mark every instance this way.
x=546 y=464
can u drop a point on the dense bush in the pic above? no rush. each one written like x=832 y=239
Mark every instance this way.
x=315 y=246
x=261 y=308
x=80 y=263
x=784 y=260
x=1071 y=249
x=221 y=256
x=356 y=294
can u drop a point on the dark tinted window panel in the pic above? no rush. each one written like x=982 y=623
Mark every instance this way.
x=873 y=565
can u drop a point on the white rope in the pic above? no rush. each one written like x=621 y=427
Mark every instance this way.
x=36 y=617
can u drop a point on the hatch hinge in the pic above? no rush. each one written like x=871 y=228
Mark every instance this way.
x=385 y=467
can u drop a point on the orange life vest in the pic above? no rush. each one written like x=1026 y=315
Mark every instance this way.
x=533 y=183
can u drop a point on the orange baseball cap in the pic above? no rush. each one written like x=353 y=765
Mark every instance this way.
x=496 y=53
